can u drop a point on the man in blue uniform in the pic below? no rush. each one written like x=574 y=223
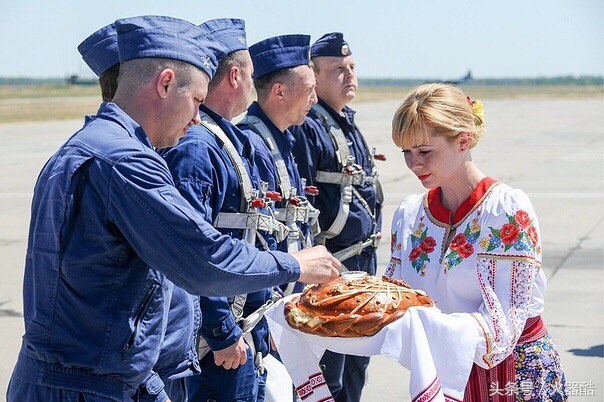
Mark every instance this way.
x=109 y=232
x=285 y=85
x=213 y=169
x=100 y=53
x=177 y=358
x=332 y=154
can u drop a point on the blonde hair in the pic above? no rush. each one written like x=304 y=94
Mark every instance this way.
x=440 y=109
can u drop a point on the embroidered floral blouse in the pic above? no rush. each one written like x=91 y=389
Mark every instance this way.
x=484 y=260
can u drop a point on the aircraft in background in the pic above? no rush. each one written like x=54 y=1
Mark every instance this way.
x=465 y=79
x=76 y=80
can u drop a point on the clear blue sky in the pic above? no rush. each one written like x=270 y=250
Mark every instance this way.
x=400 y=39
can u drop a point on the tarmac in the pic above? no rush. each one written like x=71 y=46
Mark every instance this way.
x=550 y=148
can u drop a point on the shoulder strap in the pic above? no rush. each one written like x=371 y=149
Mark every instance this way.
x=245 y=182
x=246 y=188
x=336 y=133
x=342 y=178
x=261 y=129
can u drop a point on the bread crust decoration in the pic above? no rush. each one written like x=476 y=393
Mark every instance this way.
x=353 y=305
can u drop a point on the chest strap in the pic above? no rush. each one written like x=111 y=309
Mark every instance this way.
x=250 y=219
x=297 y=208
x=259 y=127
x=350 y=175
x=245 y=183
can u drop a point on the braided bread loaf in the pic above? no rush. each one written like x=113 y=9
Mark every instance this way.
x=354 y=305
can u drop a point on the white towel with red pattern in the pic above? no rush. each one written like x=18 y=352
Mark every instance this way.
x=437 y=348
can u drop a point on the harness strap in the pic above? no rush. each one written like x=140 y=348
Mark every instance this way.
x=284 y=180
x=291 y=214
x=346 y=178
x=245 y=182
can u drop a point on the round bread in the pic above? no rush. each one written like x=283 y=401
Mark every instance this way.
x=355 y=304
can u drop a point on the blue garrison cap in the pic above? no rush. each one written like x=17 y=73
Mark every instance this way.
x=331 y=44
x=279 y=52
x=99 y=50
x=166 y=37
x=228 y=32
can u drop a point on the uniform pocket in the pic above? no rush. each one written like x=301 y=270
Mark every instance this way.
x=138 y=318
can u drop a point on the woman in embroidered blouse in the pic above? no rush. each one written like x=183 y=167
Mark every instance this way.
x=473 y=245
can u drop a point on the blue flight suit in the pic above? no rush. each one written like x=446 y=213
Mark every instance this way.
x=205 y=176
x=315 y=151
x=177 y=358
x=109 y=234
x=263 y=159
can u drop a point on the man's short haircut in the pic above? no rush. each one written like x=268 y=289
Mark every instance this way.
x=137 y=71
x=108 y=82
x=315 y=65
x=234 y=59
x=265 y=83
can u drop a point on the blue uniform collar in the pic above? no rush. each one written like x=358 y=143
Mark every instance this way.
x=285 y=140
x=109 y=110
x=88 y=118
x=348 y=117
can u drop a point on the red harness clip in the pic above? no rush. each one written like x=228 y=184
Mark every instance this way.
x=379 y=157
x=258 y=203
x=273 y=195
x=294 y=201
x=311 y=190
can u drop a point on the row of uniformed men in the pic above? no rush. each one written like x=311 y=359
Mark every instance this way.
x=242 y=180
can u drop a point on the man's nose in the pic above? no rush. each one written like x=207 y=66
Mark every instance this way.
x=196 y=118
x=313 y=97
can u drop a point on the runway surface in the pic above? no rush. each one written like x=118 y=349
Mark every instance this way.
x=550 y=148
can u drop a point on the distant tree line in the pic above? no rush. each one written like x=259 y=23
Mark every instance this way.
x=561 y=80
x=22 y=81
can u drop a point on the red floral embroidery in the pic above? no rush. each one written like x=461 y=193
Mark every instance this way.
x=533 y=235
x=465 y=250
x=462 y=245
x=509 y=233
x=428 y=244
x=522 y=219
x=519 y=233
x=415 y=253
x=458 y=241
x=421 y=246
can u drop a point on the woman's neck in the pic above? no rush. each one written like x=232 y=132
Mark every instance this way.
x=459 y=187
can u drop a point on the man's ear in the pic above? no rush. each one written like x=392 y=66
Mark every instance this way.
x=278 y=91
x=164 y=81
x=234 y=76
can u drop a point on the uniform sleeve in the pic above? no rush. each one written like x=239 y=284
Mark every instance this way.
x=153 y=389
x=193 y=165
x=508 y=265
x=170 y=236
x=218 y=326
x=201 y=178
